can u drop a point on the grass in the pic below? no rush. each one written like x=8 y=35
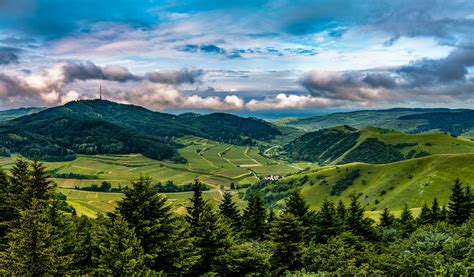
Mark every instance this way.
x=92 y=203
x=413 y=182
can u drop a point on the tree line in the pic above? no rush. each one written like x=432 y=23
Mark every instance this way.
x=144 y=236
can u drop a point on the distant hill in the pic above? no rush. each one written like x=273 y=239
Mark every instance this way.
x=15 y=113
x=454 y=122
x=400 y=119
x=344 y=144
x=104 y=127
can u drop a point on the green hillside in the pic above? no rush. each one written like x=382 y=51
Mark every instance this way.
x=393 y=185
x=340 y=145
x=15 y=113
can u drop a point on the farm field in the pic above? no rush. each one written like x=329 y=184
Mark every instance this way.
x=93 y=203
x=215 y=164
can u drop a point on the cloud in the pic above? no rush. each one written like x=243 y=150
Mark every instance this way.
x=8 y=55
x=89 y=71
x=183 y=76
x=420 y=78
x=284 y=102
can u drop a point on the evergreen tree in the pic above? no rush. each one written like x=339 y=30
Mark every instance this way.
x=327 y=222
x=356 y=222
x=212 y=239
x=229 y=210
x=469 y=201
x=255 y=216
x=34 y=248
x=407 y=222
x=39 y=187
x=444 y=213
x=459 y=206
x=271 y=217
x=7 y=213
x=435 y=211
x=296 y=205
x=341 y=212
x=120 y=252
x=162 y=237
x=386 y=218
x=287 y=234
x=425 y=217
x=196 y=209
x=85 y=245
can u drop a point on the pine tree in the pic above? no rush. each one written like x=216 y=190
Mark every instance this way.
x=40 y=187
x=120 y=252
x=407 y=222
x=469 y=201
x=435 y=211
x=327 y=222
x=229 y=210
x=386 y=218
x=196 y=209
x=341 y=211
x=271 y=217
x=255 y=216
x=425 y=217
x=212 y=239
x=7 y=213
x=459 y=210
x=34 y=248
x=85 y=245
x=296 y=205
x=287 y=234
x=444 y=213
x=162 y=237
x=356 y=222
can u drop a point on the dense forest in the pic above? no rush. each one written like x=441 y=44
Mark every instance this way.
x=454 y=122
x=41 y=235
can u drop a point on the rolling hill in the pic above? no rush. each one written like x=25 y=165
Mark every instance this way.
x=104 y=127
x=416 y=120
x=344 y=144
x=15 y=113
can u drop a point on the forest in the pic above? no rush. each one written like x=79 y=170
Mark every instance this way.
x=40 y=235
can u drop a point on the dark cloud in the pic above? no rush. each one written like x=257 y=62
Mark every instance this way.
x=184 y=76
x=89 y=71
x=8 y=55
x=426 y=76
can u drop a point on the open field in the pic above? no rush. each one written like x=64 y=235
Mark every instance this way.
x=213 y=163
x=92 y=203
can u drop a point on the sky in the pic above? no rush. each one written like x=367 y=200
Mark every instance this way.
x=274 y=57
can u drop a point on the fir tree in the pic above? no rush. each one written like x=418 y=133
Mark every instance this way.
x=425 y=217
x=212 y=239
x=120 y=252
x=7 y=213
x=296 y=205
x=287 y=234
x=229 y=210
x=435 y=211
x=327 y=222
x=34 y=248
x=162 y=236
x=341 y=211
x=85 y=245
x=407 y=222
x=386 y=218
x=356 y=222
x=459 y=206
x=196 y=209
x=255 y=216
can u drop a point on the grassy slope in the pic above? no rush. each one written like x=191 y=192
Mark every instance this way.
x=411 y=182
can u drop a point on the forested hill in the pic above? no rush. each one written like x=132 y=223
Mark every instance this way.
x=15 y=113
x=344 y=144
x=104 y=127
x=455 y=122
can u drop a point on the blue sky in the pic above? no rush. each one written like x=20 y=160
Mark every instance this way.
x=239 y=56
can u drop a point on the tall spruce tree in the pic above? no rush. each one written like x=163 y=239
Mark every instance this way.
x=296 y=205
x=196 y=209
x=7 y=212
x=459 y=206
x=341 y=212
x=386 y=218
x=287 y=234
x=162 y=237
x=407 y=222
x=255 y=219
x=212 y=239
x=229 y=210
x=34 y=247
x=435 y=211
x=356 y=222
x=426 y=216
x=327 y=222
x=85 y=245
x=120 y=252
